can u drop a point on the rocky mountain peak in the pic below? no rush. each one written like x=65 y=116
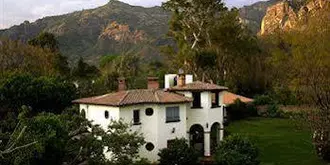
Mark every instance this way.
x=284 y=17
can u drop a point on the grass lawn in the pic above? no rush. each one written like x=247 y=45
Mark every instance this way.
x=280 y=143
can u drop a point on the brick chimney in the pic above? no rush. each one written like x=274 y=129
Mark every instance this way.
x=181 y=80
x=153 y=83
x=121 y=84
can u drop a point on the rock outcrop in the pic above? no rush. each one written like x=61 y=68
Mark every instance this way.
x=284 y=17
x=122 y=33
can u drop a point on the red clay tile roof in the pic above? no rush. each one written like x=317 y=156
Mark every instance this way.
x=131 y=97
x=198 y=86
x=229 y=98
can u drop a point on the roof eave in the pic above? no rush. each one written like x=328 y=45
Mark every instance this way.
x=199 y=90
x=129 y=104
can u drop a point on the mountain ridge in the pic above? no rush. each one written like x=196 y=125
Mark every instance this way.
x=116 y=27
x=79 y=32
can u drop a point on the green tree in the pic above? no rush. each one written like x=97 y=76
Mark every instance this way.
x=122 y=143
x=18 y=57
x=67 y=138
x=128 y=65
x=42 y=94
x=47 y=41
x=237 y=150
x=85 y=71
x=212 y=44
x=179 y=153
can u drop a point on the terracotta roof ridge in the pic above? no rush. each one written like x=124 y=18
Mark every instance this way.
x=122 y=99
x=98 y=97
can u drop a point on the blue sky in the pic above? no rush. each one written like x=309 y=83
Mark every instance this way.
x=13 y=12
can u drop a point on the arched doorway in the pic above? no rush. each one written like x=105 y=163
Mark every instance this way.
x=196 y=138
x=215 y=136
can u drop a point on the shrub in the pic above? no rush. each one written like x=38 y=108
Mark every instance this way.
x=178 y=153
x=273 y=111
x=240 y=110
x=142 y=161
x=263 y=100
x=237 y=150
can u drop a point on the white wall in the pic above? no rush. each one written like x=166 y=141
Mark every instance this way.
x=154 y=128
x=165 y=129
x=148 y=126
x=205 y=115
x=96 y=114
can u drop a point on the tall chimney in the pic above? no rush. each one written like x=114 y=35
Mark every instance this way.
x=153 y=83
x=181 y=80
x=121 y=84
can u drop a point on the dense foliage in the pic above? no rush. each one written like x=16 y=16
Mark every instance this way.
x=237 y=150
x=212 y=44
x=16 y=56
x=69 y=138
x=179 y=153
x=240 y=110
x=47 y=41
x=42 y=94
x=122 y=143
x=60 y=139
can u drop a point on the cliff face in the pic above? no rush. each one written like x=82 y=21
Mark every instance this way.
x=122 y=33
x=284 y=17
x=252 y=15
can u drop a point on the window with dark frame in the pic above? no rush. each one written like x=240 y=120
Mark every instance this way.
x=106 y=114
x=149 y=111
x=215 y=99
x=197 y=100
x=83 y=113
x=172 y=114
x=136 y=117
x=150 y=146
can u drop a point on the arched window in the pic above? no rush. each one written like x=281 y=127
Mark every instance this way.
x=106 y=114
x=83 y=113
x=150 y=146
x=149 y=111
x=175 y=81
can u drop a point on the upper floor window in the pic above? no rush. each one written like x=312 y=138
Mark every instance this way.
x=106 y=114
x=197 y=100
x=136 y=117
x=175 y=81
x=215 y=99
x=149 y=111
x=172 y=114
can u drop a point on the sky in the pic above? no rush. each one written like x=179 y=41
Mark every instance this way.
x=14 y=12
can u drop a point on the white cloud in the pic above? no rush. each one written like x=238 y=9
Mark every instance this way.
x=16 y=11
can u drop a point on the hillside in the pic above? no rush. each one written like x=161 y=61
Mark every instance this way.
x=116 y=27
x=109 y=29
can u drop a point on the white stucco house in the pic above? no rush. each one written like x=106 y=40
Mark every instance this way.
x=183 y=109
